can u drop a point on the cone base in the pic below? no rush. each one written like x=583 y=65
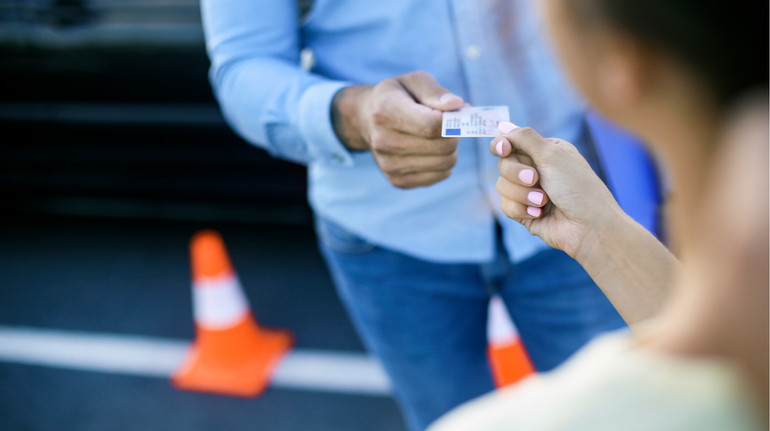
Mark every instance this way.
x=247 y=377
x=510 y=363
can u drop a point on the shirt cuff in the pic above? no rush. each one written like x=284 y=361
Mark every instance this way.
x=315 y=125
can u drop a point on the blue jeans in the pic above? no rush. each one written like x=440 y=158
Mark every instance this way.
x=426 y=322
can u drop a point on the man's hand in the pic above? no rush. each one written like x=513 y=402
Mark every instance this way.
x=399 y=121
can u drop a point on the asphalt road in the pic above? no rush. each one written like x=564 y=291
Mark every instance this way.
x=131 y=277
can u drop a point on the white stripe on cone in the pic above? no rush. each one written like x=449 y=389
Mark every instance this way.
x=219 y=302
x=500 y=327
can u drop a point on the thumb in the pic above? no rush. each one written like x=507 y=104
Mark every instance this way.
x=426 y=91
x=524 y=140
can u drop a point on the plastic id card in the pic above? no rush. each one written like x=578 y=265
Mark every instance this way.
x=473 y=122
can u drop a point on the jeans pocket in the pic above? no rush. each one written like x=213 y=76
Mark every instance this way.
x=339 y=239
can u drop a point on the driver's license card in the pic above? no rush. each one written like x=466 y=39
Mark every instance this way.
x=473 y=122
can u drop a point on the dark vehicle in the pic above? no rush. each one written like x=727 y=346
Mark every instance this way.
x=106 y=109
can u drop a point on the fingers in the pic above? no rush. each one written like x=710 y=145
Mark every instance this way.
x=521 y=201
x=388 y=142
x=418 y=179
x=518 y=211
x=404 y=130
x=393 y=108
x=394 y=166
x=517 y=177
x=425 y=90
x=529 y=196
x=516 y=172
x=412 y=104
x=410 y=162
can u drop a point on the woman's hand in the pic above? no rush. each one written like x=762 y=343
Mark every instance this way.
x=578 y=214
x=548 y=187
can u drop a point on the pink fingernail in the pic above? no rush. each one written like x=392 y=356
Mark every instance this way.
x=535 y=197
x=527 y=176
x=506 y=127
x=534 y=211
x=499 y=148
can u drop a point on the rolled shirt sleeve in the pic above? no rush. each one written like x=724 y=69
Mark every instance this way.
x=264 y=94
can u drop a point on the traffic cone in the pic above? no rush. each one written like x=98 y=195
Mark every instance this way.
x=232 y=354
x=507 y=356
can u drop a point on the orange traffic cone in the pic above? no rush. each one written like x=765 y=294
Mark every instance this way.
x=232 y=354
x=507 y=356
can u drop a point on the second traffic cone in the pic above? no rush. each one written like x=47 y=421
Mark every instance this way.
x=232 y=354
x=507 y=356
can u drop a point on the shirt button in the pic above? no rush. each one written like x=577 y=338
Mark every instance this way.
x=473 y=52
x=338 y=157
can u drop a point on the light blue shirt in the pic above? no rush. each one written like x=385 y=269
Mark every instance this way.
x=490 y=52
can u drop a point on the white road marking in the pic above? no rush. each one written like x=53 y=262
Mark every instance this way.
x=314 y=370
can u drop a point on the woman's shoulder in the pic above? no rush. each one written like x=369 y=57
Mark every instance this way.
x=613 y=384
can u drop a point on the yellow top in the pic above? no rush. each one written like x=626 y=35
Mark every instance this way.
x=611 y=385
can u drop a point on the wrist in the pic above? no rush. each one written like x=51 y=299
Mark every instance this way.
x=595 y=249
x=346 y=108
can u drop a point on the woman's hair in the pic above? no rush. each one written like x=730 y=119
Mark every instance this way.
x=725 y=42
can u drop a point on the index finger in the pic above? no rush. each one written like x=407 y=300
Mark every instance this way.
x=500 y=147
x=399 y=111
